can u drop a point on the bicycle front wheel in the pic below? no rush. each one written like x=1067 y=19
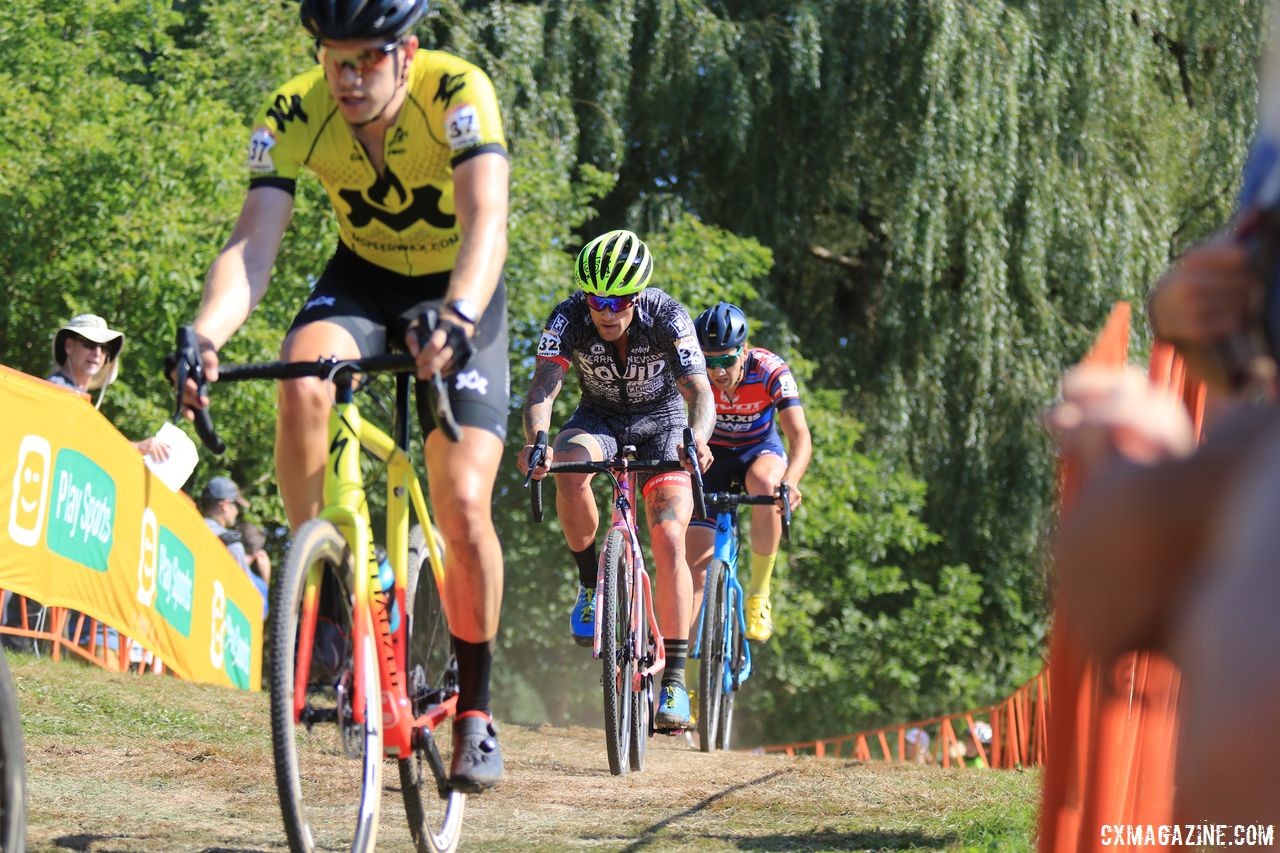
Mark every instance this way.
x=433 y=810
x=328 y=766
x=13 y=779
x=734 y=645
x=711 y=668
x=613 y=608
x=642 y=699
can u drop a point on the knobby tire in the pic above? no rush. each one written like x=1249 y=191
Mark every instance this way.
x=733 y=665
x=328 y=772
x=642 y=699
x=711 y=668
x=617 y=662
x=435 y=821
x=13 y=780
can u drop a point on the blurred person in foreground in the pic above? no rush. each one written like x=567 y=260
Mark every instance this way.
x=1168 y=547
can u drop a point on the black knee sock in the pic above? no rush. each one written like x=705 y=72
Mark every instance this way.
x=475 y=661
x=677 y=651
x=588 y=565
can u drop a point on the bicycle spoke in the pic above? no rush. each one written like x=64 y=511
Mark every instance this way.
x=434 y=813
x=616 y=661
x=328 y=766
x=734 y=647
x=642 y=699
x=711 y=671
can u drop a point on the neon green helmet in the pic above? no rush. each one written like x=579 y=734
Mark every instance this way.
x=614 y=264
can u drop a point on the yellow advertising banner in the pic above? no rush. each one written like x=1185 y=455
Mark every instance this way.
x=85 y=524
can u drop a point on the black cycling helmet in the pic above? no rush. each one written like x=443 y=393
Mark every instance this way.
x=722 y=326
x=349 y=20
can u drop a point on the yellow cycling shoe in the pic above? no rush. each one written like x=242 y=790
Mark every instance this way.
x=759 y=620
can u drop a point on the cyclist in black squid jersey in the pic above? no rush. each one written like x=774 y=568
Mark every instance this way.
x=639 y=363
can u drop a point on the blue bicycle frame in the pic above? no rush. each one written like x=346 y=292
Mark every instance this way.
x=726 y=550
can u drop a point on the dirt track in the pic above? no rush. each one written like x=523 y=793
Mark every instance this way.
x=126 y=764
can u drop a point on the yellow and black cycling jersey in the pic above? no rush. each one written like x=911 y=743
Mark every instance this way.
x=404 y=220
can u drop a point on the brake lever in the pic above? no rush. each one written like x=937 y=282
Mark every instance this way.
x=691 y=454
x=536 y=456
x=437 y=393
x=190 y=366
x=535 y=459
x=784 y=497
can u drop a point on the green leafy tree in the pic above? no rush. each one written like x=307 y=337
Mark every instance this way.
x=926 y=208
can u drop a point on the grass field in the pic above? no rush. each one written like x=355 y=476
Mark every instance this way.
x=129 y=763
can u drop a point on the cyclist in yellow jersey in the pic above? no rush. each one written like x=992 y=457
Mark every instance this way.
x=409 y=145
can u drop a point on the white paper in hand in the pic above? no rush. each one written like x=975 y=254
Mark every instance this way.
x=176 y=470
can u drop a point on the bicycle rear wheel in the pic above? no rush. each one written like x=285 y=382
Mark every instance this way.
x=433 y=810
x=734 y=643
x=642 y=699
x=613 y=608
x=13 y=779
x=328 y=766
x=711 y=667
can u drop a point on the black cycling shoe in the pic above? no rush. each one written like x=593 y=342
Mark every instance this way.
x=477 y=760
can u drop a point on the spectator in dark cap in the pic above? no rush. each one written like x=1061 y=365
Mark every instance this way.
x=221 y=502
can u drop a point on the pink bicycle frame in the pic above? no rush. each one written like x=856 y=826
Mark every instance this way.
x=624 y=520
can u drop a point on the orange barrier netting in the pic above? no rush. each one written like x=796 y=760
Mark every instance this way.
x=1111 y=753
x=1019 y=734
x=49 y=630
x=1108 y=746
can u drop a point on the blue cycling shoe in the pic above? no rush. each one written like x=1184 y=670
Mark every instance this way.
x=673 y=710
x=582 y=619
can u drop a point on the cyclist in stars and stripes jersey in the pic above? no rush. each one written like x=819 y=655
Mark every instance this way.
x=755 y=395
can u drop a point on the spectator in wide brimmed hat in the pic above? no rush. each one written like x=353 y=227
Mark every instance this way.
x=86 y=353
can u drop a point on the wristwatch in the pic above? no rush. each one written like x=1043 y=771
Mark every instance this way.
x=466 y=309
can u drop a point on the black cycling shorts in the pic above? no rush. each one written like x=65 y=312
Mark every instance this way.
x=656 y=435
x=376 y=306
x=728 y=471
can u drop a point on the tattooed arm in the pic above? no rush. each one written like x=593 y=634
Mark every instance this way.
x=548 y=379
x=696 y=391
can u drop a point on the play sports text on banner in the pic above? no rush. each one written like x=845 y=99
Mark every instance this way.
x=85 y=524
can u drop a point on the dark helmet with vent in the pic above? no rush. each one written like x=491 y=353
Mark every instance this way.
x=351 y=20
x=723 y=326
